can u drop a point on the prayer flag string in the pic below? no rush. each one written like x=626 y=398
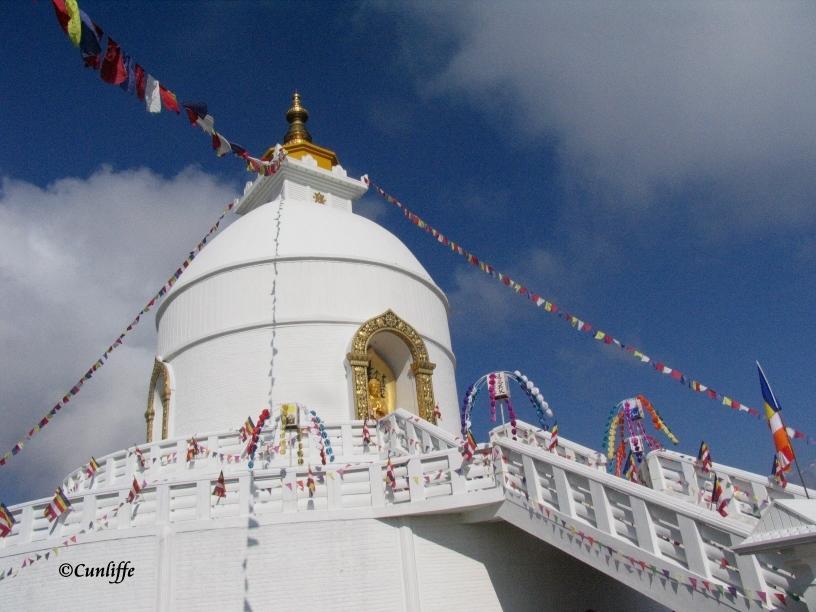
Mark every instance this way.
x=116 y=67
x=575 y=322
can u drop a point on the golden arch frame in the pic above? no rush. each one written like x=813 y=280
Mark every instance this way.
x=421 y=366
x=160 y=369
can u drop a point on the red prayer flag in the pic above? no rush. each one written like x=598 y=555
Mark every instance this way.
x=62 y=14
x=113 y=66
x=168 y=99
x=141 y=79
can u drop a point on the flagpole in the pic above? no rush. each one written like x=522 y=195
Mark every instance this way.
x=802 y=478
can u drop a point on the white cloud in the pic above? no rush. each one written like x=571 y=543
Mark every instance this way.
x=78 y=260
x=644 y=99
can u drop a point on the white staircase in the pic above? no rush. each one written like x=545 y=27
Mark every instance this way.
x=661 y=538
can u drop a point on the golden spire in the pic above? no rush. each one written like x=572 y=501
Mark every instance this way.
x=298 y=142
x=297 y=116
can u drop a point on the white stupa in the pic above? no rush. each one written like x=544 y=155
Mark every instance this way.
x=357 y=495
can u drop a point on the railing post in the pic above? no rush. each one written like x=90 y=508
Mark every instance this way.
x=644 y=528
x=759 y=492
x=130 y=468
x=690 y=476
x=411 y=439
x=123 y=517
x=457 y=477
x=154 y=466
x=203 y=499
x=26 y=524
x=603 y=511
x=289 y=490
x=181 y=456
x=531 y=483
x=655 y=472
x=696 y=558
x=416 y=482
x=334 y=491
x=110 y=468
x=376 y=485
x=88 y=510
x=749 y=570
x=162 y=504
x=732 y=506
x=245 y=493
x=346 y=434
x=427 y=442
x=566 y=503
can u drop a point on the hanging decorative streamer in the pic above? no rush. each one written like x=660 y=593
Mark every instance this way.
x=326 y=450
x=118 y=68
x=577 y=323
x=252 y=446
x=49 y=416
x=499 y=394
x=625 y=423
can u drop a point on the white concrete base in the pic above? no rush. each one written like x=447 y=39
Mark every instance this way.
x=405 y=563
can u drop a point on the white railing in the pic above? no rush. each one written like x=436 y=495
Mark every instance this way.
x=183 y=492
x=749 y=494
x=403 y=433
x=668 y=532
x=537 y=437
x=165 y=459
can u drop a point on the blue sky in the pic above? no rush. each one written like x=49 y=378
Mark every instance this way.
x=647 y=167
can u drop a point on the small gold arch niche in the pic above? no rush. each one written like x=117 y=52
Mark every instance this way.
x=360 y=361
x=160 y=375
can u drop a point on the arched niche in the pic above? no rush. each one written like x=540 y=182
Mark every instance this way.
x=159 y=392
x=421 y=367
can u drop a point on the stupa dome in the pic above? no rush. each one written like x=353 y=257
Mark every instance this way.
x=301 y=300
x=306 y=231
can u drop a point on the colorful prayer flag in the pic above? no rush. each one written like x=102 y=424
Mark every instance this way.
x=220 y=489
x=90 y=44
x=152 y=96
x=129 y=84
x=168 y=99
x=141 y=81
x=704 y=458
x=92 y=468
x=778 y=472
x=782 y=443
x=58 y=506
x=553 y=438
x=717 y=497
x=135 y=490
x=6 y=521
x=113 y=68
x=74 y=25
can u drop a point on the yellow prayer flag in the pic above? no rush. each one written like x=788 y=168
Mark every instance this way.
x=74 y=21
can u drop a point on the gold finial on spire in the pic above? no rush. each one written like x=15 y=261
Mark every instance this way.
x=298 y=142
x=297 y=116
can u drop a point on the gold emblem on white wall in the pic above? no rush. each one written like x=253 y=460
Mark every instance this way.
x=319 y=198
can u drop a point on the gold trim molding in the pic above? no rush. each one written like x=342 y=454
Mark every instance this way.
x=159 y=370
x=421 y=366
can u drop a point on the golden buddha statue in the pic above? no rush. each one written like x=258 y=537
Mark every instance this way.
x=376 y=399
